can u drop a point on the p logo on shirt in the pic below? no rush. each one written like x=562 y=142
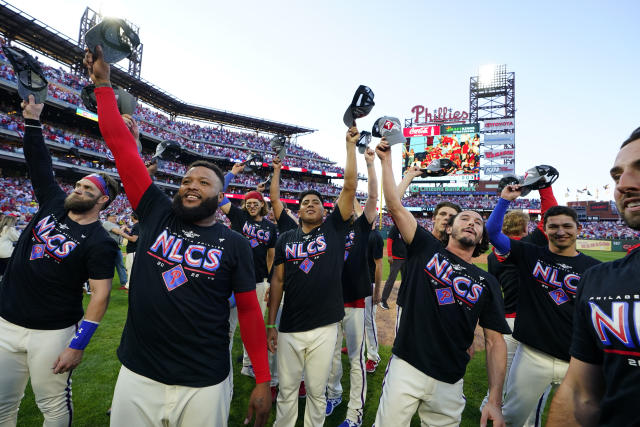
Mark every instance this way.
x=174 y=277
x=306 y=265
x=37 y=252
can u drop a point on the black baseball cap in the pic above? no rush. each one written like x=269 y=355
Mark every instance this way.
x=31 y=78
x=360 y=106
x=127 y=103
x=117 y=38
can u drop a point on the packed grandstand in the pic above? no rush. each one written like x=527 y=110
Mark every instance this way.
x=77 y=148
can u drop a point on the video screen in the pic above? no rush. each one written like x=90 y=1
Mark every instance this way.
x=461 y=148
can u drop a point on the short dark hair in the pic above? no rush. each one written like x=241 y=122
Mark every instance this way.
x=560 y=210
x=209 y=165
x=481 y=247
x=307 y=192
x=446 y=204
x=634 y=135
x=134 y=215
x=112 y=187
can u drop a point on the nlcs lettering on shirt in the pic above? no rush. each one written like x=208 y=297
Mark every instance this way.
x=251 y=230
x=196 y=256
x=463 y=287
x=618 y=324
x=58 y=244
x=550 y=276
x=305 y=249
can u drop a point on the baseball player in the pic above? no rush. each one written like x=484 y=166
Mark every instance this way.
x=603 y=380
x=251 y=222
x=549 y=279
x=63 y=246
x=375 y=248
x=174 y=347
x=356 y=286
x=446 y=296
x=515 y=227
x=308 y=266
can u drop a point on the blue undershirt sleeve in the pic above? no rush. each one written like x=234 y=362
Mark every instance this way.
x=494 y=227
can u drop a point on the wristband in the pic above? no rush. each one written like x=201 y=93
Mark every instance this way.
x=232 y=301
x=271 y=326
x=81 y=339
x=224 y=201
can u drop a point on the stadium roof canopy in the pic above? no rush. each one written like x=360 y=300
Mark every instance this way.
x=21 y=27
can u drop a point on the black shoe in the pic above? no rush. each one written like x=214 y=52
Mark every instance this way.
x=384 y=305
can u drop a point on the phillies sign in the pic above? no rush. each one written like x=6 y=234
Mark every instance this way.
x=421 y=131
x=438 y=115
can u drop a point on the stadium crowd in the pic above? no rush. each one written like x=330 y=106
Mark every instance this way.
x=472 y=201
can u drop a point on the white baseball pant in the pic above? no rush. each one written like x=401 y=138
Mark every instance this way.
x=532 y=371
x=370 y=329
x=535 y=417
x=310 y=353
x=353 y=327
x=128 y=264
x=406 y=389
x=142 y=402
x=31 y=353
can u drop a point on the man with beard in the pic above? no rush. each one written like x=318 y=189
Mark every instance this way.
x=602 y=384
x=445 y=297
x=308 y=267
x=61 y=248
x=549 y=280
x=250 y=221
x=174 y=347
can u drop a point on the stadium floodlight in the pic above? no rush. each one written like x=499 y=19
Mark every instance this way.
x=487 y=75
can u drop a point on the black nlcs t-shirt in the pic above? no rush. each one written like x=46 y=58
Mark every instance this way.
x=444 y=299
x=286 y=223
x=398 y=247
x=262 y=235
x=54 y=256
x=548 y=286
x=374 y=252
x=177 y=328
x=132 y=246
x=606 y=332
x=313 y=265
x=356 y=282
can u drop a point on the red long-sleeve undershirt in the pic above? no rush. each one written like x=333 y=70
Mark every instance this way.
x=547 y=200
x=136 y=181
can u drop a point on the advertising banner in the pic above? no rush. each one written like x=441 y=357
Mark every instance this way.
x=499 y=139
x=469 y=128
x=623 y=245
x=498 y=169
x=421 y=131
x=594 y=245
x=499 y=124
x=508 y=153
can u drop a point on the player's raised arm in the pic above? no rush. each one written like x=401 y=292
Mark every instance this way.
x=133 y=173
x=36 y=153
x=372 y=182
x=274 y=189
x=348 y=193
x=405 y=222
x=410 y=174
x=494 y=224
x=225 y=204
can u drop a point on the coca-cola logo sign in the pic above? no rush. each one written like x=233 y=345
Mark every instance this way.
x=421 y=131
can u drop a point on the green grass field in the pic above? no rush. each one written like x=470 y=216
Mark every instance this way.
x=94 y=379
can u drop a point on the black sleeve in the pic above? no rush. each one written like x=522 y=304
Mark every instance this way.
x=243 y=276
x=363 y=225
x=335 y=218
x=279 y=257
x=492 y=316
x=583 y=341
x=536 y=237
x=39 y=163
x=101 y=262
x=517 y=254
x=286 y=223
x=421 y=239
x=378 y=246
x=153 y=204
x=273 y=237
x=235 y=216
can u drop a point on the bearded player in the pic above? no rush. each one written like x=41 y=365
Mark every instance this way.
x=62 y=247
x=174 y=347
x=549 y=280
x=602 y=384
x=445 y=297
x=308 y=267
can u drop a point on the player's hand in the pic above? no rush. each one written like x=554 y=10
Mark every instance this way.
x=376 y=298
x=390 y=260
x=132 y=125
x=237 y=168
x=31 y=110
x=152 y=167
x=491 y=412
x=414 y=171
x=511 y=192
x=261 y=187
x=67 y=360
x=369 y=156
x=383 y=150
x=267 y=294
x=276 y=163
x=272 y=339
x=99 y=71
x=353 y=136
x=259 y=404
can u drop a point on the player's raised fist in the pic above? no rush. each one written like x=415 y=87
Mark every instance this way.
x=413 y=171
x=31 y=110
x=353 y=136
x=237 y=168
x=276 y=163
x=99 y=71
x=383 y=150
x=511 y=192
x=369 y=156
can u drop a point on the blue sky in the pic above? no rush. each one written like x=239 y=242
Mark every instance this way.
x=576 y=65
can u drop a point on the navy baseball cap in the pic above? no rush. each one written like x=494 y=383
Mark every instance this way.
x=31 y=78
x=117 y=38
x=361 y=105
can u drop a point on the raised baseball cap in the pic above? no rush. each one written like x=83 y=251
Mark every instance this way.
x=127 y=103
x=390 y=129
x=279 y=144
x=439 y=167
x=511 y=179
x=539 y=177
x=361 y=105
x=168 y=150
x=363 y=142
x=117 y=38
x=31 y=78
x=252 y=162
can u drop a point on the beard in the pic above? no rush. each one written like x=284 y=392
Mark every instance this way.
x=632 y=219
x=464 y=239
x=206 y=208
x=78 y=206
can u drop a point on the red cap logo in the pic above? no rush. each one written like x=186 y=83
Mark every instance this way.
x=388 y=125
